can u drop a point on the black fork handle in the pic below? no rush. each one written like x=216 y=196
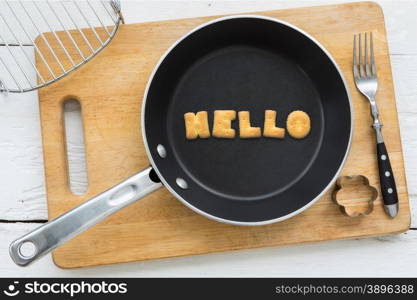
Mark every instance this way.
x=386 y=177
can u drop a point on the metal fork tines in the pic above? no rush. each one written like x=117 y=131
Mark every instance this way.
x=366 y=80
x=364 y=71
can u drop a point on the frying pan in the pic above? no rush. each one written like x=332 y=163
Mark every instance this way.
x=244 y=62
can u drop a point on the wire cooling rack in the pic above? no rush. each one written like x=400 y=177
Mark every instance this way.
x=60 y=36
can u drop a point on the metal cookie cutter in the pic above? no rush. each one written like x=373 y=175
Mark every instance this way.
x=355 y=195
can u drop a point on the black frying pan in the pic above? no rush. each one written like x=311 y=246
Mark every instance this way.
x=236 y=63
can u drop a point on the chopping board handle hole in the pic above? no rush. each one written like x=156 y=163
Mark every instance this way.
x=75 y=146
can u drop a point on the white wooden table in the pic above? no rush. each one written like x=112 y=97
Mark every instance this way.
x=22 y=190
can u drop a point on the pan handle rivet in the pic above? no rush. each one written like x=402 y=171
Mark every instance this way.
x=182 y=183
x=161 y=151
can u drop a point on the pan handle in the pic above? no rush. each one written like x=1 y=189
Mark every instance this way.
x=65 y=227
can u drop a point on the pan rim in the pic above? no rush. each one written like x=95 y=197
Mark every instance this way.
x=185 y=202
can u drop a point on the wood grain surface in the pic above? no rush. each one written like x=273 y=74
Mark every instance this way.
x=110 y=90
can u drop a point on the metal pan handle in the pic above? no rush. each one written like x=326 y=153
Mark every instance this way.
x=63 y=228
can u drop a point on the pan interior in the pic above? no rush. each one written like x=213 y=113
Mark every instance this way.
x=254 y=64
x=254 y=78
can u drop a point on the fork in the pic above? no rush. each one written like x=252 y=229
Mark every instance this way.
x=366 y=80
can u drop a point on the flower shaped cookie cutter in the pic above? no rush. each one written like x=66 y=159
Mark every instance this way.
x=355 y=195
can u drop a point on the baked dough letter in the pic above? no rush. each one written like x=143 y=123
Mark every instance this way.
x=196 y=125
x=246 y=130
x=270 y=130
x=298 y=124
x=222 y=127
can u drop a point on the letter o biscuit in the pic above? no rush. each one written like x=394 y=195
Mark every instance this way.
x=298 y=124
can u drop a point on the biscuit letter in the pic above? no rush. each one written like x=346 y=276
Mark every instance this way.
x=270 y=130
x=298 y=124
x=222 y=124
x=196 y=125
x=247 y=131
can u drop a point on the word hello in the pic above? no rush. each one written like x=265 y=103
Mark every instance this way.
x=197 y=126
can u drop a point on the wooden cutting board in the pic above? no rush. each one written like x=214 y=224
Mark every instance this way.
x=110 y=90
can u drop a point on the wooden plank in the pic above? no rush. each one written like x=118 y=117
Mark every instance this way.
x=391 y=255
x=159 y=226
x=21 y=173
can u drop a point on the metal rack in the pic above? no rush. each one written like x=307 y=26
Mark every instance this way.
x=60 y=35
